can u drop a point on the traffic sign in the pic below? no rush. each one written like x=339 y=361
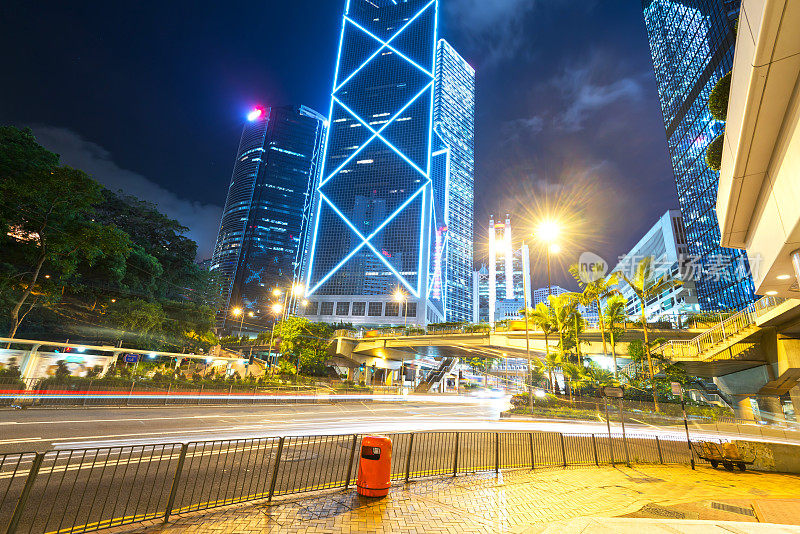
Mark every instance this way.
x=131 y=358
x=615 y=392
x=677 y=390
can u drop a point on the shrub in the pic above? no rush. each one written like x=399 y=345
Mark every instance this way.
x=714 y=153
x=718 y=99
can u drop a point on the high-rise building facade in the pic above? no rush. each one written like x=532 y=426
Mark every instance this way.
x=381 y=206
x=666 y=243
x=691 y=42
x=267 y=210
x=454 y=122
x=507 y=278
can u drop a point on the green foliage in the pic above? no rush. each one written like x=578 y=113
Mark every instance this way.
x=71 y=248
x=714 y=153
x=47 y=226
x=479 y=363
x=718 y=99
x=299 y=336
x=11 y=370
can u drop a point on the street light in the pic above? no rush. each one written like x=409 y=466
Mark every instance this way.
x=400 y=296
x=547 y=232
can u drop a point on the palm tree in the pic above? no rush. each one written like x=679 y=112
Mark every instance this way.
x=574 y=375
x=544 y=319
x=552 y=363
x=599 y=377
x=646 y=286
x=596 y=291
x=614 y=312
x=563 y=307
x=584 y=300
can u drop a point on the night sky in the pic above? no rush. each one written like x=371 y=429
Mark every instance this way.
x=149 y=97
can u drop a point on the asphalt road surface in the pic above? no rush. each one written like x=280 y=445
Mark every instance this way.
x=38 y=430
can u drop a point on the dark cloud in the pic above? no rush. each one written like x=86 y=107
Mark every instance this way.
x=75 y=151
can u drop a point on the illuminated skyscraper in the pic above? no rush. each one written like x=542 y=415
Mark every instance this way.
x=267 y=209
x=508 y=277
x=454 y=122
x=381 y=205
x=691 y=42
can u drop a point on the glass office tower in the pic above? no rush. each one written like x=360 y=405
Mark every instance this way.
x=454 y=125
x=267 y=210
x=691 y=42
x=378 y=254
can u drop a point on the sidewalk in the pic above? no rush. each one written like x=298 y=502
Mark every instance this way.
x=641 y=499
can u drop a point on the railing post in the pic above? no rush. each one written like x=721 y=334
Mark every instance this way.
x=275 y=469
x=530 y=437
x=563 y=449
x=128 y=401
x=350 y=464
x=497 y=453
x=166 y=397
x=230 y=390
x=594 y=448
x=660 y=457
x=26 y=492
x=86 y=396
x=455 y=456
x=408 y=456
x=200 y=395
x=175 y=481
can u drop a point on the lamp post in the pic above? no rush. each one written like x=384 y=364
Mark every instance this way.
x=527 y=332
x=236 y=312
x=276 y=309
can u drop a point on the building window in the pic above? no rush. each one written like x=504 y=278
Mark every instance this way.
x=359 y=309
x=392 y=309
x=412 y=309
x=327 y=308
x=375 y=309
x=342 y=308
x=312 y=308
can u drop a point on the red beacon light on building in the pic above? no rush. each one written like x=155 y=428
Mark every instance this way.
x=256 y=114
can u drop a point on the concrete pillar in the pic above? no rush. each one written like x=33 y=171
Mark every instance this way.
x=388 y=374
x=771 y=409
x=28 y=365
x=794 y=393
x=744 y=408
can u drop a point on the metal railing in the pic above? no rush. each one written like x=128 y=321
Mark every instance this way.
x=82 y=490
x=102 y=392
x=725 y=330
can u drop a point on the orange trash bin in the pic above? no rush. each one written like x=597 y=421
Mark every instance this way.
x=375 y=467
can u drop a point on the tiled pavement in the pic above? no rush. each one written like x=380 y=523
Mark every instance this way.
x=555 y=500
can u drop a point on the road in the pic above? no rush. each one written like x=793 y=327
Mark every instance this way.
x=38 y=430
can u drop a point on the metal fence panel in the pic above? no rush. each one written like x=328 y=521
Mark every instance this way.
x=515 y=450
x=216 y=473
x=476 y=452
x=311 y=463
x=547 y=450
x=91 y=489
x=433 y=454
x=14 y=469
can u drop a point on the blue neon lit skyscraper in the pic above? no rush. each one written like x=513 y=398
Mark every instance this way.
x=691 y=42
x=454 y=125
x=267 y=210
x=379 y=223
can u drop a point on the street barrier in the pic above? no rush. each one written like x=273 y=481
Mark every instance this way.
x=82 y=490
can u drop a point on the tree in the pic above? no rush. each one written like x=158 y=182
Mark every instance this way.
x=614 y=312
x=46 y=222
x=646 y=286
x=544 y=319
x=596 y=290
x=563 y=307
x=301 y=339
x=574 y=375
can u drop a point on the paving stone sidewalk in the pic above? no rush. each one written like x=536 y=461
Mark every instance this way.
x=666 y=499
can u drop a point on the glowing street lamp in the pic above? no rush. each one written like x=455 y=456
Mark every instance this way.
x=236 y=312
x=400 y=296
x=547 y=232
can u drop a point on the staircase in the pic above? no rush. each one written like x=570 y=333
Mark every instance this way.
x=727 y=337
x=435 y=377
